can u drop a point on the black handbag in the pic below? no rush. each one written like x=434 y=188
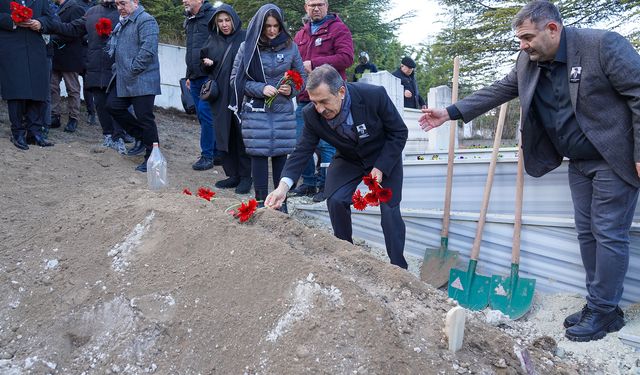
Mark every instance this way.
x=210 y=90
x=186 y=98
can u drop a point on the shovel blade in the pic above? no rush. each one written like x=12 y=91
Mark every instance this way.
x=436 y=265
x=470 y=289
x=512 y=295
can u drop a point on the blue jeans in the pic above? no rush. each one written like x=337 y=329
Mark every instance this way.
x=326 y=154
x=604 y=205
x=203 y=110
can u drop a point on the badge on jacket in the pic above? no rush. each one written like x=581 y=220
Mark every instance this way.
x=318 y=42
x=279 y=58
x=576 y=72
x=362 y=131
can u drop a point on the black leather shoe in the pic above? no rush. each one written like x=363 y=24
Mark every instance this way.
x=55 y=122
x=574 y=318
x=203 y=164
x=594 y=325
x=72 y=125
x=319 y=197
x=244 y=186
x=138 y=148
x=303 y=190
x=19 y=142
x=142 y=167
x=42 y=142
x=228 y=183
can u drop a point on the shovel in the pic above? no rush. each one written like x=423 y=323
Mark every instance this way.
x=513 y=295
x=438 y=262
x=468 y=288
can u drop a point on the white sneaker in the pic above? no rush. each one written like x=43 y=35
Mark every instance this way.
x=119 y=146
x=107 y=142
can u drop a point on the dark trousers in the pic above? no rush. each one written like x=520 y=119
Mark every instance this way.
x=88 y=96
x=108 y=124
x=260 y=171
x=30 y=110
x=604 y=205
x=235 y=161
x=393 y=227
x=143 y=125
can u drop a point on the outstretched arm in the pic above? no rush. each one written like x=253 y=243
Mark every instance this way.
x=432 y=118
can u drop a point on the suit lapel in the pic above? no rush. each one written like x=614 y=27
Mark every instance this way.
x=530 y=81
x=573 y=60
x=358 y=112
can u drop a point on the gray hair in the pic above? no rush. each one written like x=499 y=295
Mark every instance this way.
x=539 y=12
x=325 y=74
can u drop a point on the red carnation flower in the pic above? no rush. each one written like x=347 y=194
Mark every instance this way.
x=370 y=181
x=295 y=78
x=358 y=201
x=384 y=195
x=103 y=27
x=186 y=191
x=372 y=198
x=19 y=12
x=246 y=210
x=205 y=193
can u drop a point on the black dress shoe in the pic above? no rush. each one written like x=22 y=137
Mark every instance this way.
x=228 y=183
x=72 y=125
x=42 y=142
x=303 y=190
x=55 y=122
x=594 y=325
x=142 y=167
x=244 y=186
x=19 y=142
x=574 y=318
x=138 y=148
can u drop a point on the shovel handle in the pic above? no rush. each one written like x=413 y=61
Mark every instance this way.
x=475 y=250
x=451 y=155
x=517 y=220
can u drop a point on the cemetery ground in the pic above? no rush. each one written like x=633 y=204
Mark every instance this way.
x=99 y=275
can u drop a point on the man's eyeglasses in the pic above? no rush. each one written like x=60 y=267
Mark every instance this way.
x=317 y=5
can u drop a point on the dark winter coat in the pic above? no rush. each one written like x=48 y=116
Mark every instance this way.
x=68 y=52
x=98 y=63
x=331 y=44
x=409 y=83
x=266 y=130
x=23 y=55
x=215 y=49
x=197 y=30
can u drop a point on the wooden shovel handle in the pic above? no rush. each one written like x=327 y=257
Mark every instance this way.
x=452 y=140
x=517 y=221
x=475 y=250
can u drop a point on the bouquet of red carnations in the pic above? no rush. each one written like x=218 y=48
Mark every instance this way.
x=103 y=27
x=376 y=194
x=290 y=77
x=19 y=12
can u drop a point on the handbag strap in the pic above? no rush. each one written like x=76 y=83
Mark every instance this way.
x=223 y=59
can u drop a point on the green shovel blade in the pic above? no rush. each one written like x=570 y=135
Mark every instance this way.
x=437 y=263
x=468 y=288
x=512 y=295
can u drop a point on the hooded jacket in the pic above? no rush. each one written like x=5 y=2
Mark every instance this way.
x=221 y=70
x=266 y=130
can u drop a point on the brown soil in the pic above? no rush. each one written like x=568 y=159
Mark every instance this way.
x=99 y=275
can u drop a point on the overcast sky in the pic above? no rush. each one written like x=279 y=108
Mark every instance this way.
x=418 y=29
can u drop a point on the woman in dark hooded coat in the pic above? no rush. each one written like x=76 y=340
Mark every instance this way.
x=225 y=38
x=268 y=130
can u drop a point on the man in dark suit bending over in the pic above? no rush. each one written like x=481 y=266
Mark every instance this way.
x=362 y=123
x=580 y=96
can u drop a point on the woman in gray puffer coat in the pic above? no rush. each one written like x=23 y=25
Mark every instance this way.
x=262 y=60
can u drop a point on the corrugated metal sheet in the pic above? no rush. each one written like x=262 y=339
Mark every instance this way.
x=549 y=249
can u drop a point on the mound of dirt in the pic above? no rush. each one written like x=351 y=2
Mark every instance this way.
x=99 y=275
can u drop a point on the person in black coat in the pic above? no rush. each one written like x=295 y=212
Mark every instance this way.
x=24 y=76
x=226 y=34
x=362 y=123
x=68 y=63
x=196 y=27
x=407 y=75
